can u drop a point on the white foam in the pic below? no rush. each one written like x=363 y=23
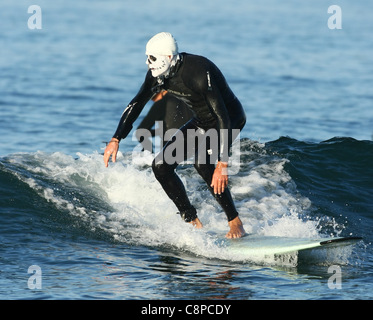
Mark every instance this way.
x=142 y=214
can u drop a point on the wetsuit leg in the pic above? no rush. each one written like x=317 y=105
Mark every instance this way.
x=164 y=171
x=204 y=164
x=206 y=170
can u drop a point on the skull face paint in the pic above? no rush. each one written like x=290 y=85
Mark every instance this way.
x=158 y=64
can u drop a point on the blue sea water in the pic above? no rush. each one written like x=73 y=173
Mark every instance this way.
x=111 y=233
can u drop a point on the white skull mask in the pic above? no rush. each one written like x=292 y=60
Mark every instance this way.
x=159 y=64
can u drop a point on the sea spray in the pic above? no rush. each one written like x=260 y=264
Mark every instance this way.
x=126 y=202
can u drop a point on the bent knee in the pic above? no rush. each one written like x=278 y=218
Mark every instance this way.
x=161 y=169
x=205 y=171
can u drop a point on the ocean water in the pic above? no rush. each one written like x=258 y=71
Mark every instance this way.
x=72 y=229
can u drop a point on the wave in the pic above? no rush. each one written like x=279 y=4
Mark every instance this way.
x=283 y=188
x=336 y=175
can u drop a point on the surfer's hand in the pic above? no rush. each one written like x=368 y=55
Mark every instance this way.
x=111 y=150
x=220 y=177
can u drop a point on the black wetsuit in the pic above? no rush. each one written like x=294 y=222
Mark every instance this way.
x=202 y=86
x=173 y=113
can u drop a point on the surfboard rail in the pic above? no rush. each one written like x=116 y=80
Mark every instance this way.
x=255 y=245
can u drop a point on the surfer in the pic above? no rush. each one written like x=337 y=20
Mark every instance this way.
x=170 y=112
x=200 y=84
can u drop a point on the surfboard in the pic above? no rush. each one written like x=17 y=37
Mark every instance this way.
x=254 y=245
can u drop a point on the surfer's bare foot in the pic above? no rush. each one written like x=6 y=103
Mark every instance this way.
x=197 y=223
x=236 y=229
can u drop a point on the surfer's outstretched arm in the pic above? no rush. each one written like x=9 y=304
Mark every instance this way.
x=129 y=116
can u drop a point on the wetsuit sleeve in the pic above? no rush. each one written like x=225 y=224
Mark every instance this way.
x=134 y=108
x=211 y=91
